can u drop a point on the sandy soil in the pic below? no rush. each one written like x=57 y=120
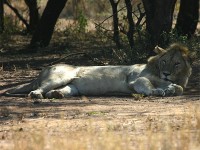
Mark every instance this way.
x=78 y=114
x=74 y=118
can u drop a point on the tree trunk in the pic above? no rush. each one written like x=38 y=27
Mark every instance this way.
x=45 y=28
x=116 y=38
x=187 y=17
x=33 y=14
x=131 y=23
x=159 y=16
x=1 y=16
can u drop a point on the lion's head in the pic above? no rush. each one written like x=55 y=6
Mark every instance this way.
x=171 y=64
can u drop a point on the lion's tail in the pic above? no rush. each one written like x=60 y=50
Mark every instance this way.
x=21 y=90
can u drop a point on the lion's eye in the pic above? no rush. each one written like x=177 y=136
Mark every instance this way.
x=177 y=64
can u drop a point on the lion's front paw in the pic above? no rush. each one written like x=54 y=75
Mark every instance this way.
x=173 y=89
x=170 y=90
x=158 y=92
x=55 y=94
x=36 y=95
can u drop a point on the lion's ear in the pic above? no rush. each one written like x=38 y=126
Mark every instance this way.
x=159 y=50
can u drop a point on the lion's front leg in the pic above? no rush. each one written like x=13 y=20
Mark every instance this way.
x=143 y=85
x=173 y=90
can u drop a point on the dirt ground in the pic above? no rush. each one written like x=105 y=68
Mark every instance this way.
x=93 y=122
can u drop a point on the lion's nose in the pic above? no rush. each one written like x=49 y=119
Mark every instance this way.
x=166 y=73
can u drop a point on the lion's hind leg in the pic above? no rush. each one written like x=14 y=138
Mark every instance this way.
x=66 y=91
x=143 y=85
x=47 y=86
x=52 y=78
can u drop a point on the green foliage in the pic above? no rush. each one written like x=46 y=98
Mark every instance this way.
x=192 y=43
x=82 y=22
x=138 y=54
x=130 y=56
x=172 y=37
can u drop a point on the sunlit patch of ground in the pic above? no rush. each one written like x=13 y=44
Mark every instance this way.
x=92 y=122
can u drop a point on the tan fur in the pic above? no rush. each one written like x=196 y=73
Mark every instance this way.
x=165 y=74
x=181 y=56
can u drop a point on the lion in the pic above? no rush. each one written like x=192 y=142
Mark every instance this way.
x=165 y=74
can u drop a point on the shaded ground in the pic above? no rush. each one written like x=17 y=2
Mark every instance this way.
x=112 y=121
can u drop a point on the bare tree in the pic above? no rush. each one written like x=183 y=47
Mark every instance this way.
x=131 y=23
x=45 y=28
x=33 y=14
x=159 y=16
x=187 y=17
x=114 y=4
x=1 y=16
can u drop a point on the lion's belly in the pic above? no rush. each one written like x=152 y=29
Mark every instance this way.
x=103 y=86
x=102 y=81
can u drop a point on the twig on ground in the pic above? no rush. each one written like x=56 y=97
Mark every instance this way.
x=76 y=54
x=69 y=55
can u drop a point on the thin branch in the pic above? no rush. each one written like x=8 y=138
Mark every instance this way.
x=76 y=54
x=110 y=16
x=141 y=16
x=131 y=23
x=116 y=36
x=1 y=17
x=17 y=13
x=106 y=30
x=139 y=8
x=97 y=25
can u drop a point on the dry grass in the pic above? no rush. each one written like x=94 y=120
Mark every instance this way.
x=176 y=132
